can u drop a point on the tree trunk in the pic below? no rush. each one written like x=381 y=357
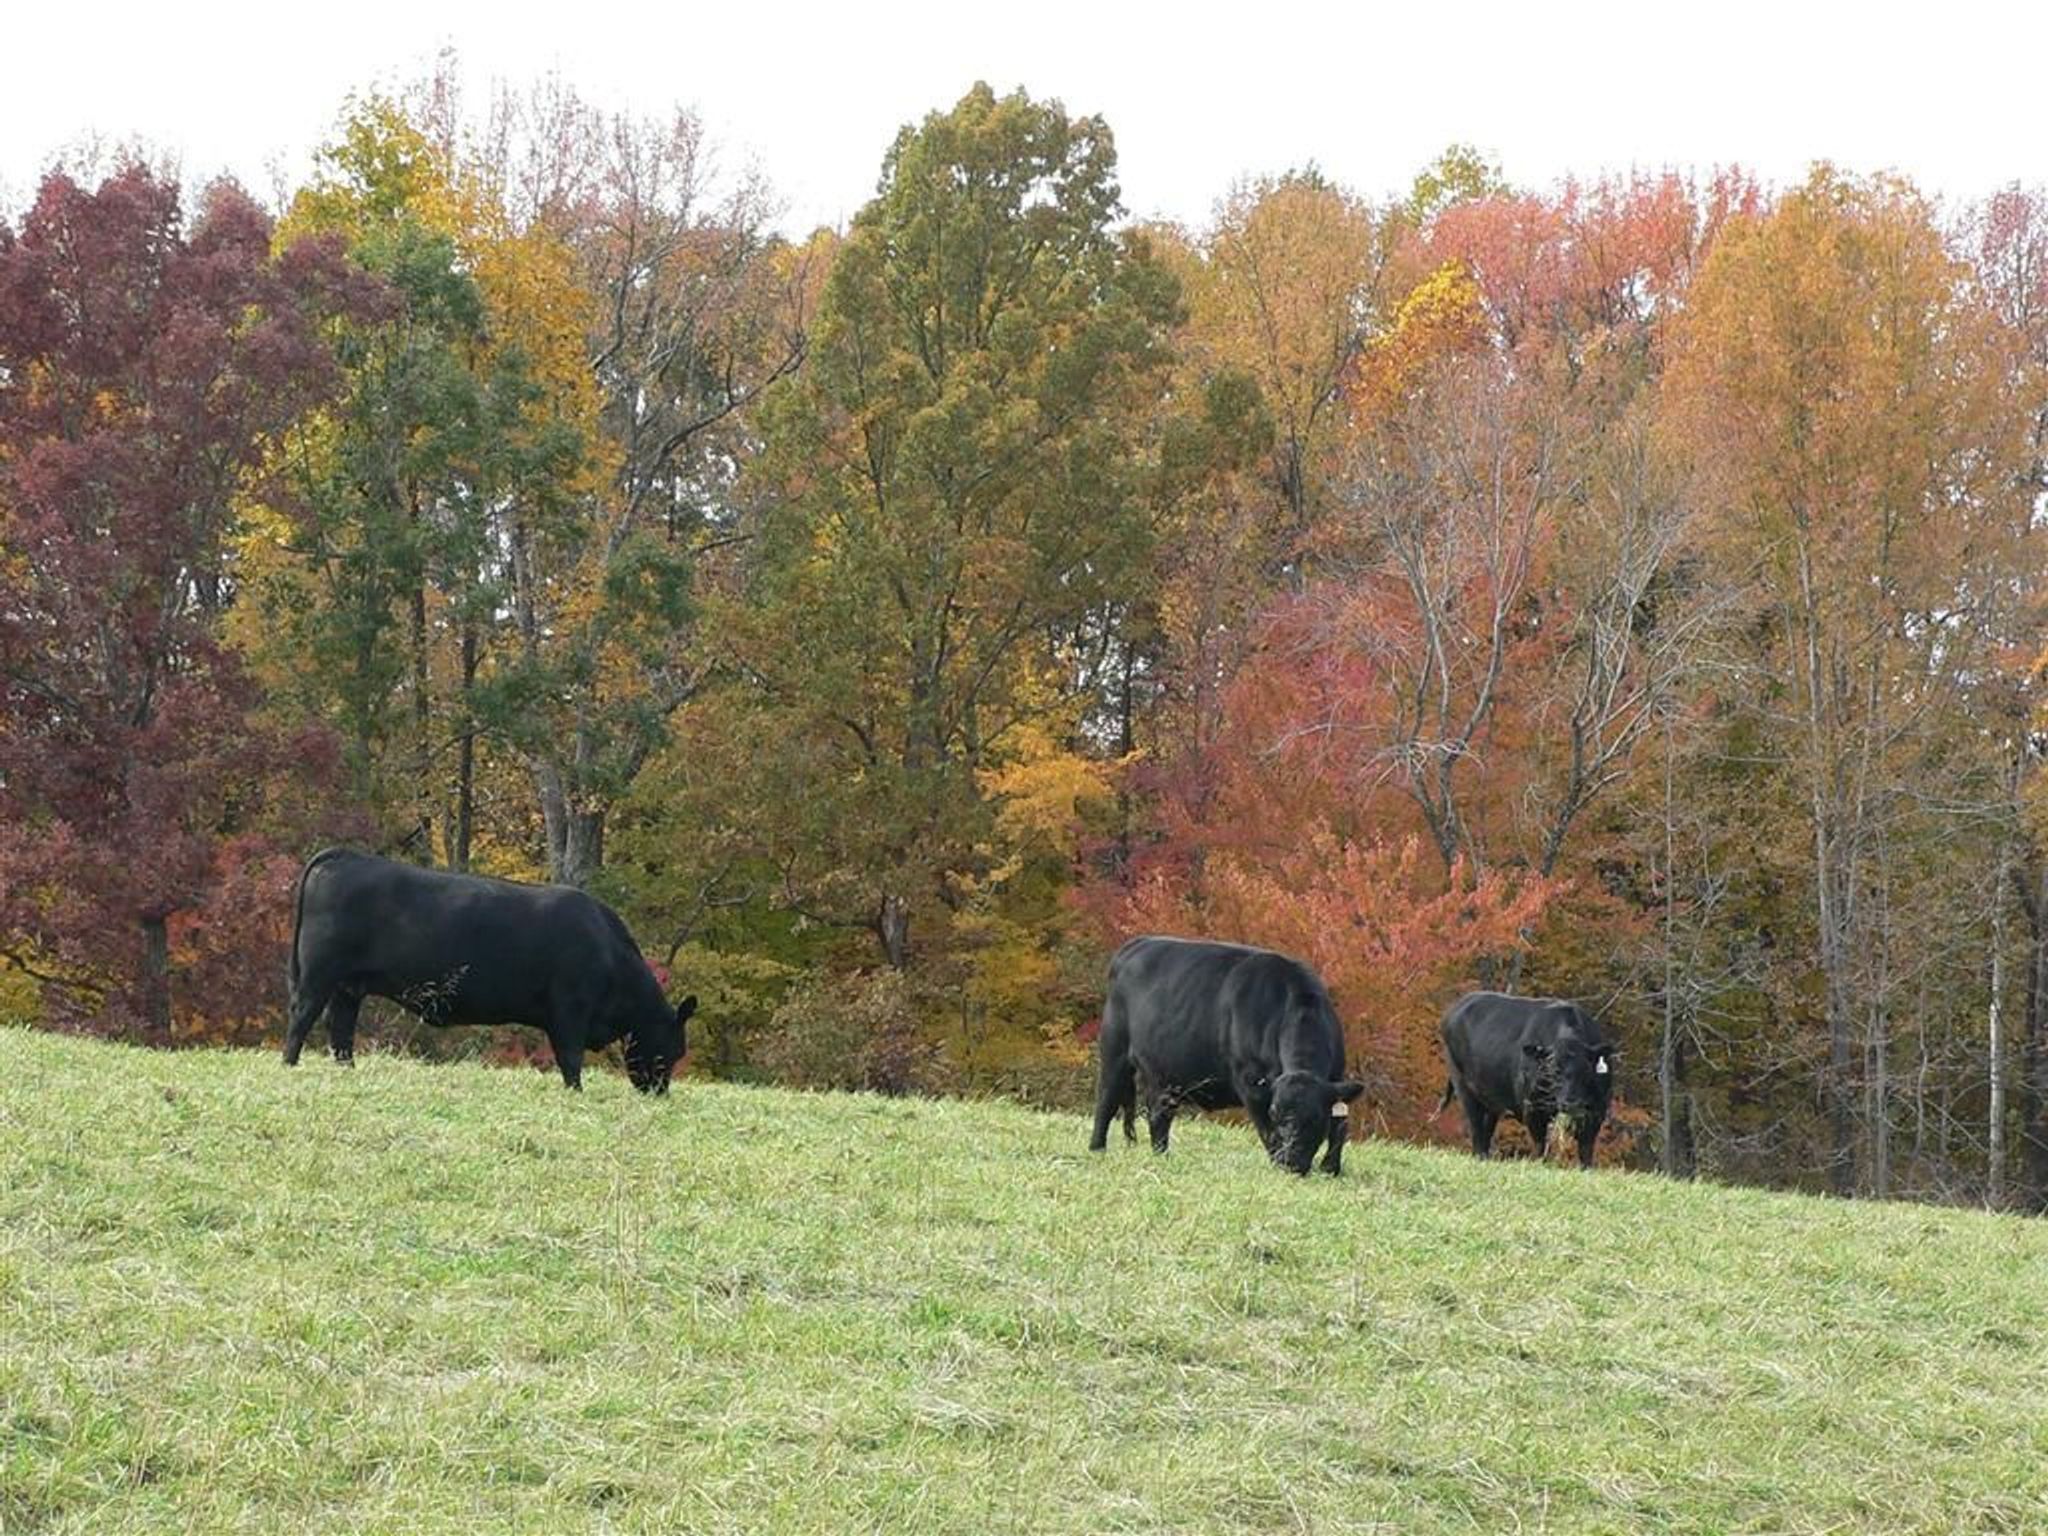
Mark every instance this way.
x=1994 y=1192
x=554 y=814
x=575 y=836
x=1841 y=1129
x=1880 y=1099
x=1294 y=491
x=1127 y=741
x=2033 y=1083
x=1878 y=1055
x=423 y=757
x=156 y=980
x=1684 y=1154
x=585 y=853
x=892 y=927
x=1833 y=870
x=1675 y=1151
x=465 y=763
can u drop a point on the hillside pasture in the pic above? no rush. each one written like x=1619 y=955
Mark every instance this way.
x=454 y=1298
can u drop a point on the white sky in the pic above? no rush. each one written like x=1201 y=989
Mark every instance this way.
x=1951 y=95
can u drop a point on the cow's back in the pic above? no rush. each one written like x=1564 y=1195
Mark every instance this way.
x=1163 y=1001
x=1191 y=1008
x=456 y=947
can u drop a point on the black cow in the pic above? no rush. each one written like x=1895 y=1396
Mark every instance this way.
x=1535 y=1058
x=1215 y=1025
x=463 y=949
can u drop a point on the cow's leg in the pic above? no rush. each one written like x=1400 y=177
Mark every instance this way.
x=1538 y=1124
x=1482 y=1132
x=1333 y=1159
x=1480 y=1121
x=1586 y=1140
x=1116 y=1075
x=341 y=1027
x=1131 y=1107
x=568 y=1056
x=1257 y=1110
x=571 y=1012
x=1116 y=1089
x=307 y=1005
x=1160 y=1114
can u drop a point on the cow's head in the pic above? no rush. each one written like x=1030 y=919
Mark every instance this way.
x=654 y=1048
x=1307 y=1111
x=1576 y=1070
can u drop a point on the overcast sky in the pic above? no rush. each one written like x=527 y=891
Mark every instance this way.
x=1952 y=95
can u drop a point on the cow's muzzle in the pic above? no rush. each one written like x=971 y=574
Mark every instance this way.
x=650 y=1079
x=1294 y=1161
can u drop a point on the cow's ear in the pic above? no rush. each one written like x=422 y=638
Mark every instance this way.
x=685 y=1008
x=1350 y=1089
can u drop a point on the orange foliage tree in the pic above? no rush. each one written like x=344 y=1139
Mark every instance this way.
x=1859 y=450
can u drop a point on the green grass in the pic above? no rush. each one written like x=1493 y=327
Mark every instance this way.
x=419 y=1299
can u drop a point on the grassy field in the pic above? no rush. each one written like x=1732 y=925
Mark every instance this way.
x=420 y=1299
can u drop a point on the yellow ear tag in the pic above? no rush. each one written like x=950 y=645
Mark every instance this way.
x=1340 y=1110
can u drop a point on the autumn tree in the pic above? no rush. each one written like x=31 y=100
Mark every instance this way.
x=954 y=497
x=535 y=455
x=1860 y=460
x=145 y=366
x=1508 y=560
x=1462 y=173
x=683 y=307
x=2008 y=242
x=1500 y=599
x=450 y=451
x=1282 y=293
x=1285 y=294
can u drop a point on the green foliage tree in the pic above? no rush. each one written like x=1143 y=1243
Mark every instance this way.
x=1461 y=174
x=955 y=493
x=418 y=494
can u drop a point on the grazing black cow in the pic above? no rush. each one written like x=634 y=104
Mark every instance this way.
x=1216 y=1025
x=1535 y=1058
x=464 y=949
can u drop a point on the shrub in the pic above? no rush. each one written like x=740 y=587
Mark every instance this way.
x=859 y=1032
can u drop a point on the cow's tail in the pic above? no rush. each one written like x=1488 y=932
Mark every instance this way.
x=1444 y=1103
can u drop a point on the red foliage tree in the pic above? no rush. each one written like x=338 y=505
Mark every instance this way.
x=1469 y=662
x=144 y=368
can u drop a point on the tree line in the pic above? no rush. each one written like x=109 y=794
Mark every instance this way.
x=1627 y=590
